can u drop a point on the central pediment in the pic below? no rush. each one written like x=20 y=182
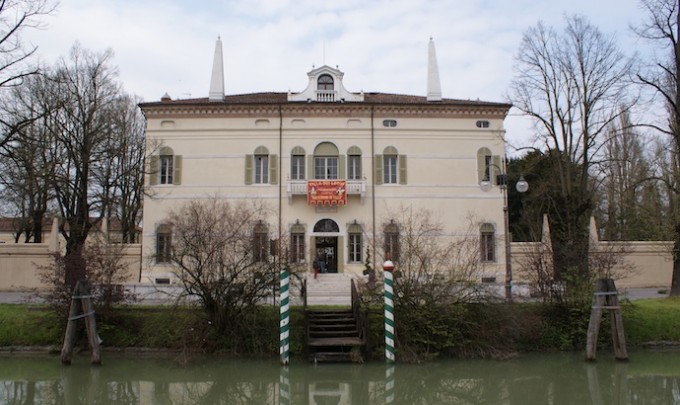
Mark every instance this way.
x=325 y=86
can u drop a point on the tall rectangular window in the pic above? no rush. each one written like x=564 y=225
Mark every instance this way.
x=488 y=161
x=355 y=248
x=487 y=243
x=326 y=167
x=166 y=169
x=261 y=169
x=260 y=243
x=390 y=169
x=163 y=246
x=354 y=167
x=297 y=247
x=392 y=248
x=297 y=167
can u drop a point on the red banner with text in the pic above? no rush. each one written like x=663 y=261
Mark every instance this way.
x=326 y=192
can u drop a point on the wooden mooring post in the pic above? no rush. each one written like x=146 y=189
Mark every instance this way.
x=81 y=307
x=606 y=297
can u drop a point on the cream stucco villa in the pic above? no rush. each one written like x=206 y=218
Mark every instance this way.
x=333 y=165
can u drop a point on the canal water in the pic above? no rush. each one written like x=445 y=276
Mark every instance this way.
x=648 y=378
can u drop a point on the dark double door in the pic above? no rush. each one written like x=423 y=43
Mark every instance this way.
x=327 y=251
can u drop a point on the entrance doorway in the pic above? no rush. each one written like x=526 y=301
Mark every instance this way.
x=327 y=251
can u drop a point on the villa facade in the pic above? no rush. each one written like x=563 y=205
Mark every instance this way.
x=335 y=168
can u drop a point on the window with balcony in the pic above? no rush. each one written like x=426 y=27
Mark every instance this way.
x=324 y=82
x=326 y=162
x=297 y=164
x=354 y=163
x=325 y=167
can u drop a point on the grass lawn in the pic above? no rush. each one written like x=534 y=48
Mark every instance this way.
x=652 y=320
x=23 y=325
x=166 y=327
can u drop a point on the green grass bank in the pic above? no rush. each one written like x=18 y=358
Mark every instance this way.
x=485 y=330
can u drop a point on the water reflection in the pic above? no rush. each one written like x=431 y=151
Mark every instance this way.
x=649 y=378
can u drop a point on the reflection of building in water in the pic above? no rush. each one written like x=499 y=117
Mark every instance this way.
x=330 y=393
x=652 y=377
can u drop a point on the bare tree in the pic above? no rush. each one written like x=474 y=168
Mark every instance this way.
x=433 y=267
x=106 y=272
x=572 y=84
x=128 y=157
x=87 y=91
x=16 y=16
x=662 y=75
x=631 y=205
x=80 y=154
x=606 y=259
x=218 y=258
x=30 y=160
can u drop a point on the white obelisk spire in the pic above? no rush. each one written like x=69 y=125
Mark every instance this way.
x=434 y=88
x=217 y=78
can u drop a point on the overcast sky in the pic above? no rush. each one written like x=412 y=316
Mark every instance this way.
x=269 y=45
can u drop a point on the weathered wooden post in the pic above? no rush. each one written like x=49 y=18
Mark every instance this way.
x=606 y=297
x=81 y=307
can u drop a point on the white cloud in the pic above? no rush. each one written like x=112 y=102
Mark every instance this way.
x=269 y=45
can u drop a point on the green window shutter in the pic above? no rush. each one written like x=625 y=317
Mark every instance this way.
x=378 y=175
x=177 y=170
x=310 y=167
x=249 y=169
x=273 y=169
x=152 y=169
x=341 y=167
x=496 y=169
x=481 y=166
x=341 y=255
x=402 y=169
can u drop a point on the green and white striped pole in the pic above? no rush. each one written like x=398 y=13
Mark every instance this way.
x=284 y=325
x=388 y=266
x=389 y=384
x=284 y=386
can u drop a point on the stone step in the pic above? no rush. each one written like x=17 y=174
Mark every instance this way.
x=317 y=334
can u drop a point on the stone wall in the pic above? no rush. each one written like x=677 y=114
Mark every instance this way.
x=638 y=264
x=20 y=265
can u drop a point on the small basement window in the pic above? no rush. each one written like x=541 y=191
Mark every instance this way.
x=483 y=124
x=162 y=281
x=389 y=123
x=488 y=279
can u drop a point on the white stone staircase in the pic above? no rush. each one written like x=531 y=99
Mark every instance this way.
x=326 y=289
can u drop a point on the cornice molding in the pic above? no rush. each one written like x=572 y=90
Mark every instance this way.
x=325 y=110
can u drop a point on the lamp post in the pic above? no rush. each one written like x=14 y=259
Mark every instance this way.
x=521 y=186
